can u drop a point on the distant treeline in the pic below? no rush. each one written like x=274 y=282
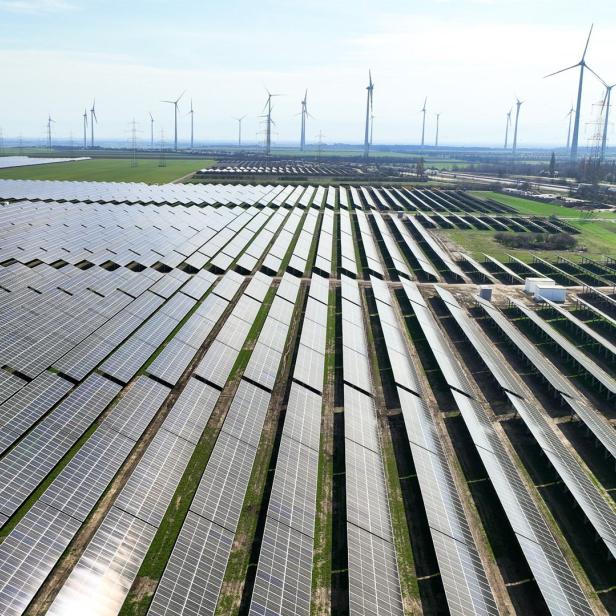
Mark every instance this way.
x=537 y=241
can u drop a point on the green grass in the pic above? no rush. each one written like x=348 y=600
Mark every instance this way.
x=599 y=238
x=109 y=170
x=534 y=208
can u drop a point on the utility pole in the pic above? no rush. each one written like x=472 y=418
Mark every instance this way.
x=320 y=145
x=162 y=161
x=134 y=162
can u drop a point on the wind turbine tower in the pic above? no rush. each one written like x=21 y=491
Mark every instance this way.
x=175 y=116
x=576 y=124
x=269 y=122
x=569 y=115
x=369 y=106
x=85 y=129
x=93 y=119
x=438 y=117
x=49 y=123
x=151 y=131
x=239 y=130
x=423 y=124
x=507 y=125
x=606 y=106
x=518 y=104
x=371 y=127
x=191 y=113
x=304 y=113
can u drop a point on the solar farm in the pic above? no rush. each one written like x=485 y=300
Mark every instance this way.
x=282 y=168
x=291 y=399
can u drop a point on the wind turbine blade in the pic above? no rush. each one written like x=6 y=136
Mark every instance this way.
x=562 y=70
x=595 y=74
x=177 y=100
x=587 y=41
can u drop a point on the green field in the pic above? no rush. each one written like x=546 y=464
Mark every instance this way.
x=598 y=237
x=109 y=170
x=534 y=208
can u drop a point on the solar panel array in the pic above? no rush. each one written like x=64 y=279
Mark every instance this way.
x=374 y=585
x=557 y=583
x=142 y=324
x=462 y=572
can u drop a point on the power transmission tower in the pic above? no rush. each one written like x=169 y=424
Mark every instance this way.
x=320 y=145
x=162 y=161
x=134 y=162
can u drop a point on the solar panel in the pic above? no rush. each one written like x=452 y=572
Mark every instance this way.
x=9 y=384
x=102 y=577
x=247 y=413
x=374 y=586
x=81 y=483
x=217 y=363
x=263 y=365
x=195 y=331
x=258 y=286
x=222 y=488
x=172 y=361
x=365 y=489
x=294 y=489
x=192 y=410
x=193 y=577
x=360 y=424
x=29 y=552
x=283 y=583
x=309 y=365
x=303 y=416
x=125 y=362
x=136 y=409
x=21 y=470
x=28 y=405
x=153 y=482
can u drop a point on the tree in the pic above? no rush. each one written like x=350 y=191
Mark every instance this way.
x=552 y=165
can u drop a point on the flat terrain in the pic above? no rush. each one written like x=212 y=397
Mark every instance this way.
x=598 y=237
x=109 y=170
x=534 y=208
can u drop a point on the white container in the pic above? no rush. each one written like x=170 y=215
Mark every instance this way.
x=554 y=293
x=530 y=284
x=485 y=293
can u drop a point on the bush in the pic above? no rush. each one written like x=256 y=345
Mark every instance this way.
x=537 y=241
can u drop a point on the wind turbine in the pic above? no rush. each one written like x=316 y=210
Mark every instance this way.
x=191 y=113
x=93 y=119
x=239 y=131
x=576 y=125
x=518 y=104
x=49 y=122
x=438 y=117
x=569 y=129
x=606 y=106
x=304 y=114
x=371 y=127
x=423 y=125
x=369 y=107
x=507 y=125
x=175 y=115
x=151 y=131
x=268 y=116
x=85 y=129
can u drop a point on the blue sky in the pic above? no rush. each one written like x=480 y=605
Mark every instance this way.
x=469 y=57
